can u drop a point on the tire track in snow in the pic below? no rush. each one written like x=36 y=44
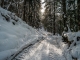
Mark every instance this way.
x=44 y=50
x=55 y=50
x=26 y=51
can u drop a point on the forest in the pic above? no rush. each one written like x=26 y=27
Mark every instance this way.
x=39 y=29
x=53 y=15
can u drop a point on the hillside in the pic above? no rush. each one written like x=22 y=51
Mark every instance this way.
x=14 y=33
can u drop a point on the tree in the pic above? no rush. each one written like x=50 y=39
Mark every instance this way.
x=71 y=12
x=31 y=10
x=53 y=16
x=64 y=12
x=78 y=2
x=2 y=3
x=28 y=10
x=24 y=8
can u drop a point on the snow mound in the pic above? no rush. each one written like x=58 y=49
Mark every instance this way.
x=75 y=45
x=76 y=51
x=14 y=33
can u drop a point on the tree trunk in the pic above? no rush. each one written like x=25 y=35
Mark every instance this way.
x=54 y=17
x=2 y=3
x=24 y=7
x=64 y=12
x=79 y=14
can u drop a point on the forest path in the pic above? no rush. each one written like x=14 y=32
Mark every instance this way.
x=48 y=49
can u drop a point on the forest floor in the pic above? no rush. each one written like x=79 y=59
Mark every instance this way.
x=40 y=45
x=50 y=48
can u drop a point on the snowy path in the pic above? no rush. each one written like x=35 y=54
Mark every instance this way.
x=47 y=49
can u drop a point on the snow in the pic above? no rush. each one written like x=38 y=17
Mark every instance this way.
x=6 y=53
x=47 y=49
x=74 y=49
x=16 y=34
x=13 y=37
x=71 y=35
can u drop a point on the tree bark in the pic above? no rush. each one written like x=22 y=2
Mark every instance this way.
x=79 y=13
x=2 y=3
x=54 y=17
x=64 y=12
x=24 y=7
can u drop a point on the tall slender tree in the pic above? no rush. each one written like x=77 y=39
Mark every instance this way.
x=54 y=17
x=64 y=11
x=24 y=12
x=2 y=3
x=78 y=2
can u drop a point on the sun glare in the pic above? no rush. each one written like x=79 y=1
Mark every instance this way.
x=42 y=10
x=42 y=6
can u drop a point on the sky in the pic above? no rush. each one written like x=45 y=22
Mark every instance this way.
x=42 y=6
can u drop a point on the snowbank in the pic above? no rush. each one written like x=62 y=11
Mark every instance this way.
x=14 y=33
x=75 y=45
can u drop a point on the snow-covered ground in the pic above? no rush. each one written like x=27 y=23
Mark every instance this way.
x=75 y=45
x=14 y=35
x=51 y=48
